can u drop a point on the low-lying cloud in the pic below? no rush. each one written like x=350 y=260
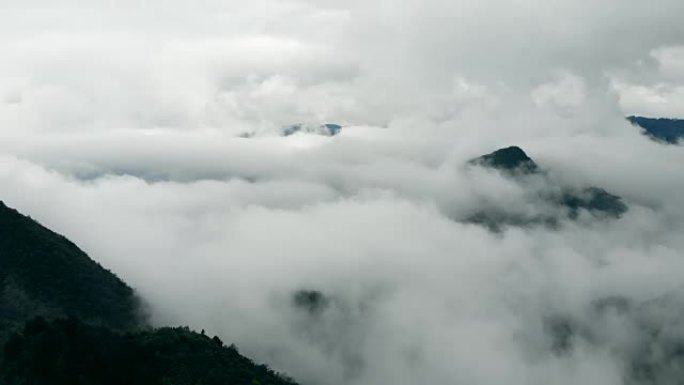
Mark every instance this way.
x=123 y=126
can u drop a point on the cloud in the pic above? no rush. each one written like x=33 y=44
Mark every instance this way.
x=103 y=66
x=120 y=127
x=653 y=86
x=415 y=294
x=565 y=93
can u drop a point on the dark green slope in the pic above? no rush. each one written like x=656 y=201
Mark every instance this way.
x=67 y=320
x=69 y=352
x=44 y=274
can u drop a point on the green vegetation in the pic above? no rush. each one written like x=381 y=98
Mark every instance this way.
x=67 y=320
x=44 y=274
x=69 y=352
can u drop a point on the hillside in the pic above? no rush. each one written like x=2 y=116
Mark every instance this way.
x=64 y=319
x=664 y=130
x=70 y=352
x=44 y=274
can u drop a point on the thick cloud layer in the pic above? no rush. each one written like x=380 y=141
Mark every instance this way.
x=148 y=134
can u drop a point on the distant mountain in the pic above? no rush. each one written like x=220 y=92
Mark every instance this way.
x=561 y=201
x=509 y=159
x=327 y=129
x=311 y=301
x=44 y=274
x=656 y=351
x=665 y=130
x=595 y=200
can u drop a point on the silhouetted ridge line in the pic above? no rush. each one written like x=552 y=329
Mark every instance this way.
x=661 y=129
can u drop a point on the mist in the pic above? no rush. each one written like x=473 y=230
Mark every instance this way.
x=151 y=136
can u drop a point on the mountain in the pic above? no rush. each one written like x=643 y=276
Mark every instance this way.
x=327 y=129
x=664 y=130
x=559 y=202
x=510 y=159
x=64 y=319
x=44 y=274
x=595 y=200
x=66 y=352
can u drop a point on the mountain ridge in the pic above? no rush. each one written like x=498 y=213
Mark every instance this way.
x=514 y=163
x=665 y=130
x=65 y=319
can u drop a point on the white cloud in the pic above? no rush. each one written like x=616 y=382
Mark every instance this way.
x=119 y=127
x=566 y=93
x=655 y=87
x=657 y=100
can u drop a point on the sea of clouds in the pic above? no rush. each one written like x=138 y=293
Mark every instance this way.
x=123 y=126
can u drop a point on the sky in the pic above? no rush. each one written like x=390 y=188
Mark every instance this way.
x=149 y=134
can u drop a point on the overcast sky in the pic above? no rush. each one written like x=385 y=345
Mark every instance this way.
x=148 y=133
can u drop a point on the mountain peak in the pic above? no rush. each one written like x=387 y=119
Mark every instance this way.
x=510 y=159
x=569 y=201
